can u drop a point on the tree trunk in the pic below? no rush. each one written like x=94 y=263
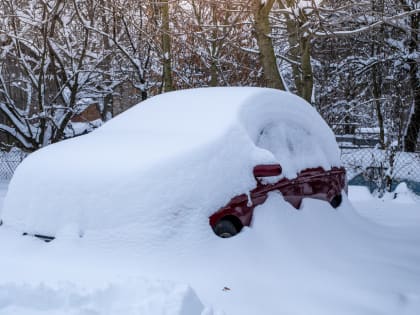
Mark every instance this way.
x=213 y=66
x=413 y=128
x=266 y=51
x=166 y=48
x=307 y=81
x=377 y=75
x=293 y=39
x=300 y=50
x=377 y=100
x=107 y=110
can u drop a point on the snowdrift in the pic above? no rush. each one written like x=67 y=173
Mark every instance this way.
x=166 y=164
x=138 y=297
x=316 y=261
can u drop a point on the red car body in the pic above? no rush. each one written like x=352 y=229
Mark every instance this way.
x=310 y=183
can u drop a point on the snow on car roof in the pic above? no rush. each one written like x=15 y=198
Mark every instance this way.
x=168 y=161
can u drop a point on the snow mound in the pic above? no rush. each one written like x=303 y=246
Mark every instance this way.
x=359 y=193
x=403 y=194
x=167 y=164
x=136 y=298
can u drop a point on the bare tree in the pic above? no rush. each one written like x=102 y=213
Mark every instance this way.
x=47 y=73
x=262 y=28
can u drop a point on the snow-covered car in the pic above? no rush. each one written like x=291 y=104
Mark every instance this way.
x=167 y=165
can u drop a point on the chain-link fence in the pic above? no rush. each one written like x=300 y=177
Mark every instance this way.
x=9 y=161
x=382 y=170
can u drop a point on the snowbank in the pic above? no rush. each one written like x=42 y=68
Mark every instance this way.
x=399 y=208
x=403 y=194
x=359 y=193
x=165 y=165
x=317 y=261
x=137 y=297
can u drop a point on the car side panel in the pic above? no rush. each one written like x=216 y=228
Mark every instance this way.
x=292 y=193
x=311 y=183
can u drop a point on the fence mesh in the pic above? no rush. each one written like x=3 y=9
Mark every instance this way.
x=382 y=170
x=9 y=161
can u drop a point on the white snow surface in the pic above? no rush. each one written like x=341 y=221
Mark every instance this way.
x=166 y=164
x=130 y=298
x=402 y=206
x=318 y=261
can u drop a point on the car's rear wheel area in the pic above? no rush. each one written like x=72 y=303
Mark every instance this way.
x=336 y=201
x=227 y=227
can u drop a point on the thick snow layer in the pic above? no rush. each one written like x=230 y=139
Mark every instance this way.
x=132 y=298
x=398 y=208
x=318 y=261
x=3 y=189
x=403 y=194
x=166 y=164
x=359 y=193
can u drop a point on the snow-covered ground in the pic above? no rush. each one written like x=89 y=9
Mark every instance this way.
x=314 y=261
x=402 y=211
